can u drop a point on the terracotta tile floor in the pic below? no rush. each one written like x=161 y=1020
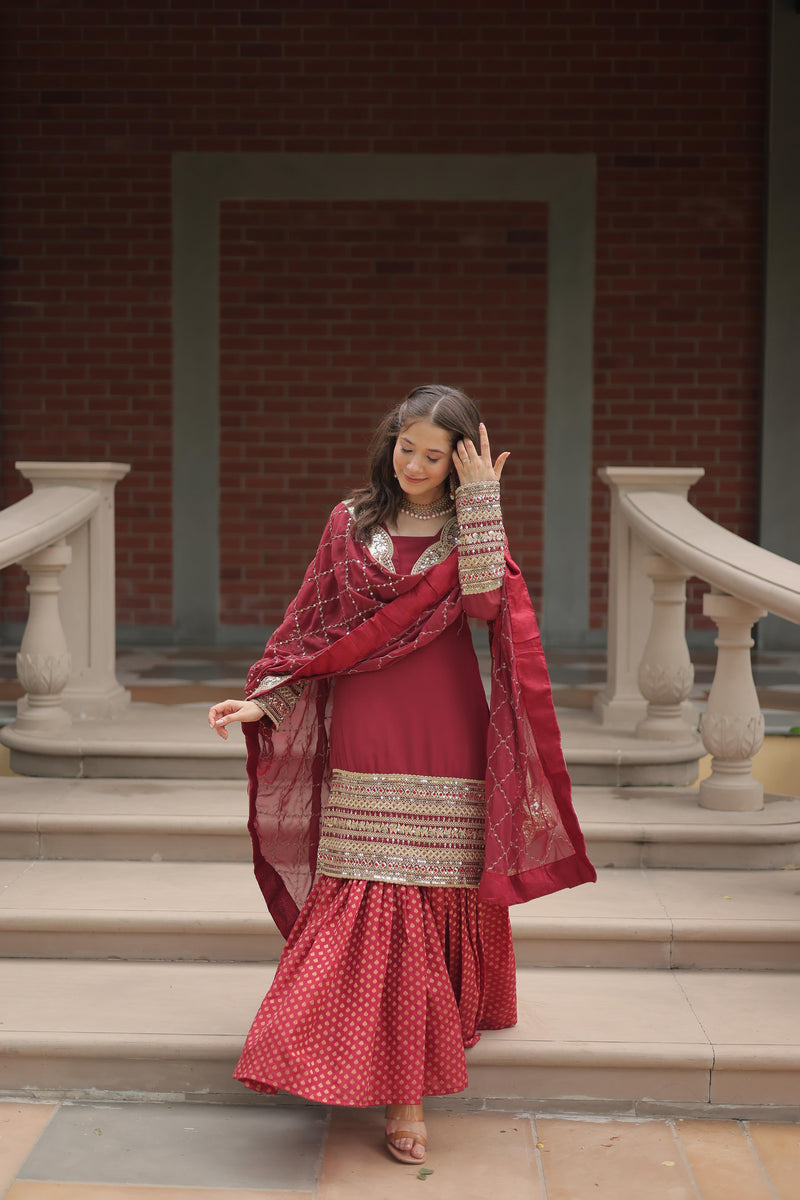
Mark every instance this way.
x=142 y=1151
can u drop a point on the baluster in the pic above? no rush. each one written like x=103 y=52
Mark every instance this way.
x=43 y=661
x=732 y=727
x=87 y=602
x=666 y=673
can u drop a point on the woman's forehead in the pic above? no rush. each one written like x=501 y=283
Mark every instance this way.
x=427 y=435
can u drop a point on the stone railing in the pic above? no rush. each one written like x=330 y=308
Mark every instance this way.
x=658 y=540
x=63 y=537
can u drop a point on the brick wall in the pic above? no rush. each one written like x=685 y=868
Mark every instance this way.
x=671 y=98
x=392 y=295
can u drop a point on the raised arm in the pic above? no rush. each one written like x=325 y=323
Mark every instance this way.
x=481 y=544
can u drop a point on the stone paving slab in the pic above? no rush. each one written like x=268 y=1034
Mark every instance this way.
x=181 y=1145
x=90 y=1151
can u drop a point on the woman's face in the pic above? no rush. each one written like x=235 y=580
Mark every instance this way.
x=423 y=457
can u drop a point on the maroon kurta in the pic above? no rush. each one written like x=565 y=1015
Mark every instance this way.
x=421 y=715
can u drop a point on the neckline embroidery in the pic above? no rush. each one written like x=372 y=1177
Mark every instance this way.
x=380 y=545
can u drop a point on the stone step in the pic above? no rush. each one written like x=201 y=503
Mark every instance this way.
x=689 y=1042
x=205 y=820
x=146 y=741
x=214 y=912
x=666 y=827
x=198 y=820
x=175 y=742
x=598 y=755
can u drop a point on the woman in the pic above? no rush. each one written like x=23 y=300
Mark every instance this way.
x=394 y=816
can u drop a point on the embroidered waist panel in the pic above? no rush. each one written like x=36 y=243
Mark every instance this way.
x=425 y=830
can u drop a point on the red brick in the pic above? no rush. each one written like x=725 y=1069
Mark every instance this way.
x=102 y=101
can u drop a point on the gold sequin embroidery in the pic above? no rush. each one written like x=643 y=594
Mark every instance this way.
x=275 y=698
x=380 y=545
x=481 y=550
x=426 y=830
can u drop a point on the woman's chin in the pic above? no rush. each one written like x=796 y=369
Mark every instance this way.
x=420 y=494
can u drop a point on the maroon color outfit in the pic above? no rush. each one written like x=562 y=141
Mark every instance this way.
x=381 y=986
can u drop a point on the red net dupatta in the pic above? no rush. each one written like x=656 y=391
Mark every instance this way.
x=534 y=844
x=353 y=614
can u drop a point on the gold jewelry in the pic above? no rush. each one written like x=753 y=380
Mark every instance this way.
x=427 y=512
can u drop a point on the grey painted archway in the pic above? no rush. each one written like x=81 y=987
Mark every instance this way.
x=566 y=183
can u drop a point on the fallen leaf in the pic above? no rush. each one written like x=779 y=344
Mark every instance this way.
x=424 y=1172
x=668 y=1163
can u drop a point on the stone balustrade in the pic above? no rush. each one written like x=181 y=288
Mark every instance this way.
x=658 y=540
x=63 y=537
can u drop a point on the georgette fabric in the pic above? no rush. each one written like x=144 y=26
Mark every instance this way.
x=421 y=812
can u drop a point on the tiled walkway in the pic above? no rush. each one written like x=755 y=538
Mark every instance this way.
x=207 y=1152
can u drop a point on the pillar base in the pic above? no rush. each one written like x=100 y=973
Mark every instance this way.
x=727 y=793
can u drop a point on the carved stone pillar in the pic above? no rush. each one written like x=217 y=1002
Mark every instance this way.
x=620 y=704
x=666 y=673
x=88 y=599
x=732 y=726
x=43 y=661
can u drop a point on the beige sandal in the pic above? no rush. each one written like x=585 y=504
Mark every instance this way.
x=413 y=1114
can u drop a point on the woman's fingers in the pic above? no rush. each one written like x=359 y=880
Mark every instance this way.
x=219 y=715
x=501 y=462
x=473 y=466
x=223 y=709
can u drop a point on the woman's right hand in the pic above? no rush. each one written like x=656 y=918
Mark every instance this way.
x=226 y=711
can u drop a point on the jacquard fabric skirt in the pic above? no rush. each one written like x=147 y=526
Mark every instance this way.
x=379 y=989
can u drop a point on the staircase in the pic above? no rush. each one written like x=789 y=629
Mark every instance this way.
x=136 y=949
x=134 y=945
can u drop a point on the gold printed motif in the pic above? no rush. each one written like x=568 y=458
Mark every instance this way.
x=426 y=830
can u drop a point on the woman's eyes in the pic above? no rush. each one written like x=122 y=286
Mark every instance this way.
x=432 y=461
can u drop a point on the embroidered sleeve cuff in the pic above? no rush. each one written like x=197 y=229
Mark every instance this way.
x=279 y=700
x=482 y=539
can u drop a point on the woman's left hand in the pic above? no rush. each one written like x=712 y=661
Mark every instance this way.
x=474 y=467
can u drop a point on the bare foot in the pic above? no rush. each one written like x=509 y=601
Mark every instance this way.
x=406 y=1119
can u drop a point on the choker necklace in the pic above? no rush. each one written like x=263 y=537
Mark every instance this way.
x=427 y=512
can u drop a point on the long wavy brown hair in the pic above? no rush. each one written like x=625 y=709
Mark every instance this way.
x=447 y=407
